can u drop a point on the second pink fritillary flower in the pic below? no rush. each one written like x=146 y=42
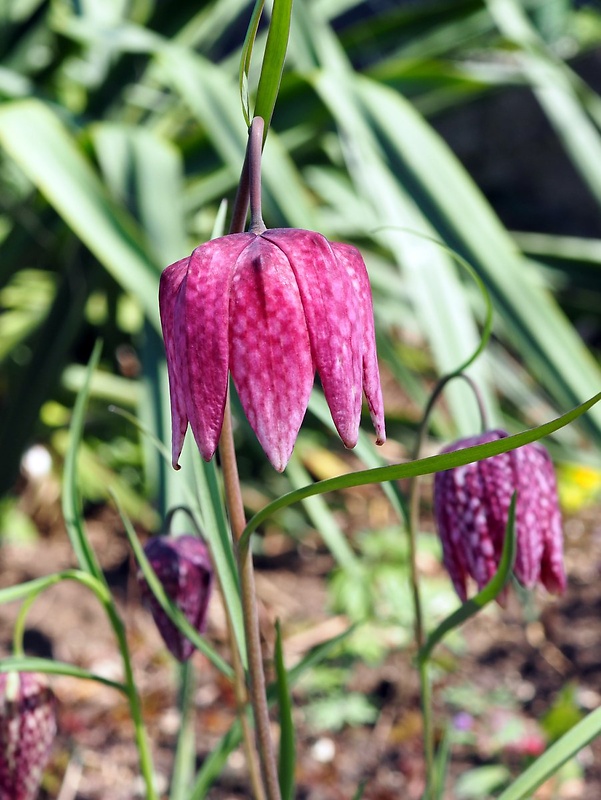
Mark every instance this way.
x=271 y=308
x=471 y=506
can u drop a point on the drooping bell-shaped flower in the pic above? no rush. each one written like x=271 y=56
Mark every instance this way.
x=270 y=308
x=471 y=505
x=27 y=731
x=183 y=566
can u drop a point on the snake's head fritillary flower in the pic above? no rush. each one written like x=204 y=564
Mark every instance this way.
x=271 y=308
x=27 y=731
x=183 y=566
x=471 y=505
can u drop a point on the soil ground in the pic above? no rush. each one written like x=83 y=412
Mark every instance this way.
x=496 y=689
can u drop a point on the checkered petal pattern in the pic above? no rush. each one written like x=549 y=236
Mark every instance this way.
x=471 y=506
x=271 y=309
x=27 y=731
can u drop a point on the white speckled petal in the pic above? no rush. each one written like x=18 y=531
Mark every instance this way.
x=333 y=321
x=351 y=259
x=270 y=353
x=202 y=320
x=169 y=286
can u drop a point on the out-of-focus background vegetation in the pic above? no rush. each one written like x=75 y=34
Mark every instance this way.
x=476 y=124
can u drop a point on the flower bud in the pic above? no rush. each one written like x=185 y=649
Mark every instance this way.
x=183 y=566
x=27 y=730
x=471 y=505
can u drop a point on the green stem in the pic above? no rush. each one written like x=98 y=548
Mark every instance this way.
x=135 y=706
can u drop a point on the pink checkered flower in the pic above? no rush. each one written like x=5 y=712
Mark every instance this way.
x=271 y=308
x=183 y=566
x=27 y=731
x=471 y=506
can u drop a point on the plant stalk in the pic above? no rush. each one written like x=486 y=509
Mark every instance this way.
x=250 y=612
x=249 y=188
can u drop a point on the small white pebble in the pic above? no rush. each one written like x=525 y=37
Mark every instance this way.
x=236 y=760
x=36 y=462
x=323 y=750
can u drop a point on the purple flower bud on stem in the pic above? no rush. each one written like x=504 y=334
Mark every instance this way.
x=471 y=507
x=183 y=566
x=27 y=730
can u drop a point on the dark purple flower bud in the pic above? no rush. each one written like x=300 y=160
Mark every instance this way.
x=183 y=566
x=27 y=730
x=471 y=506
x=272 y=308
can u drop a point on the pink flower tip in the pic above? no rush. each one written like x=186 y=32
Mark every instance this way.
x=471 y=505
x=271 y=309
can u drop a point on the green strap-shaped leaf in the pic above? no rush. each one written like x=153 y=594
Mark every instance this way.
x=287 y=746
x=273 y=61
x=247 y=51
x=51 y=667
x=422 y=466
x=51 y=158
x=546 y=765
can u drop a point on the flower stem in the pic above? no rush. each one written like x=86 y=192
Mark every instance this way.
x=255 y=148
x=250 y=185
x=249 y=610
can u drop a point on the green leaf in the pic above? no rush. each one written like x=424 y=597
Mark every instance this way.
x=287 y=744
x=247 y=51
x=44 y=149
x=72 y=511
x=273 y=61
x=52 y=667
x=423 y=466
x=552 y=759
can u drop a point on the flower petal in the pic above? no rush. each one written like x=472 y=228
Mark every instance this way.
x=352 y=260
x=333 y=322
x=552 y=571
x=450 y=533
x=270 y=352
x=169 y=285
x=202 y=319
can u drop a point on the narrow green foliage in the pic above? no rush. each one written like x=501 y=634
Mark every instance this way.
x=423 y=466
x=70 y=500
x=247 y=51
x=287 y=738
x=273 y=61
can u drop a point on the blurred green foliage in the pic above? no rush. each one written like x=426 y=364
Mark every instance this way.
x=121 y=131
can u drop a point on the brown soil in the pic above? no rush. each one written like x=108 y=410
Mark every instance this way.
x=504 y=656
